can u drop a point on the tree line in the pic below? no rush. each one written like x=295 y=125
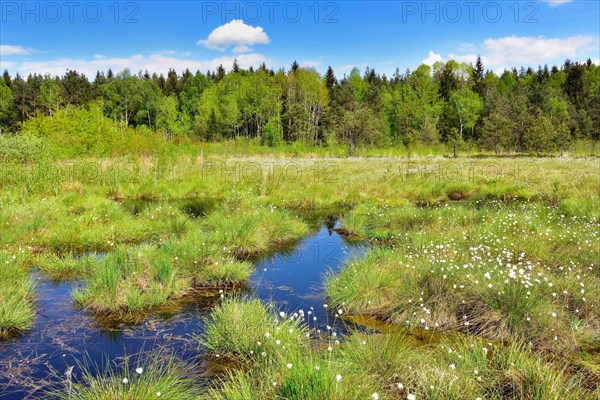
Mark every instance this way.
x=524 y=110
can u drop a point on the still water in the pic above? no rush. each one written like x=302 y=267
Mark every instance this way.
x=63 y=336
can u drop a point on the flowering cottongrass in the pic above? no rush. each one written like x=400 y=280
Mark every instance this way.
x=500 y=260
x=159 y=377
x=244 y=328
x=492 y=271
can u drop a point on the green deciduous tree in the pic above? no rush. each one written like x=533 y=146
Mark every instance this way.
x=6 y=106
x=50 y=95
x=467 y=106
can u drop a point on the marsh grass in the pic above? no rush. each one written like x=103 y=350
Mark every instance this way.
x=505 y=271
x=246 y=329
x=528 y=228
x=67 y=266
x=154 y=378
x=127 y=281
x=368 y=365
x=17 y=295
x=253 y=230
x=207 y=264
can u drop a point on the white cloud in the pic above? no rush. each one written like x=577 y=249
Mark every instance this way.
x=556 y=3
x=597 y=62
x=8 y=50
x=234 y=33
x=532 y=50
x=242 y=49
x=432 y=58
x=512 y=51
x=156 y=62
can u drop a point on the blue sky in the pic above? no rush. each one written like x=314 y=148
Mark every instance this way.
x=49 y=37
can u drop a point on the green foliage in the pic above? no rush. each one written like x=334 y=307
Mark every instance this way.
x=16 y=295
x=538 y=137
x=75 y=131
x=6 y=106
x=22 y=149
x=467 y=106
x=455 y=103
x=272 y=135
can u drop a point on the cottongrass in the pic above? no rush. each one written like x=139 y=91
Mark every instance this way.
x=245 y=329
x=154 y=378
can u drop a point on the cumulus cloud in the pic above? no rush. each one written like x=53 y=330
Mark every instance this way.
x=157 y=62
x=234 y=33
x=537 y=49
x=432 y=58
x=8 y=50
x=514 y=51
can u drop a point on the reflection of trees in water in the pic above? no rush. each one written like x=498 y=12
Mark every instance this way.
x=330 y=222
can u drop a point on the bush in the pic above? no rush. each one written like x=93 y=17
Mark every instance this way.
x=272 y=136
x=21 y=149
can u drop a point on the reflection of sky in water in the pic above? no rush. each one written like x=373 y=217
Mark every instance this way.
x=292 y=279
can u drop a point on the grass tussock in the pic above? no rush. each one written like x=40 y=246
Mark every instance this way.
x=128 y=280
x=246 y=329
x=17 y=295
x=252 y=231
x=155 y=378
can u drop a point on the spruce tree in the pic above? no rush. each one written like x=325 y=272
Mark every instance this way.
x=6 y=77
x=295 y=66
x=330 y=80
x=477 y=76
x=220 y=73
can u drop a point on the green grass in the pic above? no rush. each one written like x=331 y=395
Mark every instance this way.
x=463 y=253
x=501 y=271
x=376 y=365
x=128 y=280
x=67 y=266
x=17 y=291
x=246 y=329
x=254 y=230
x=159 y=379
